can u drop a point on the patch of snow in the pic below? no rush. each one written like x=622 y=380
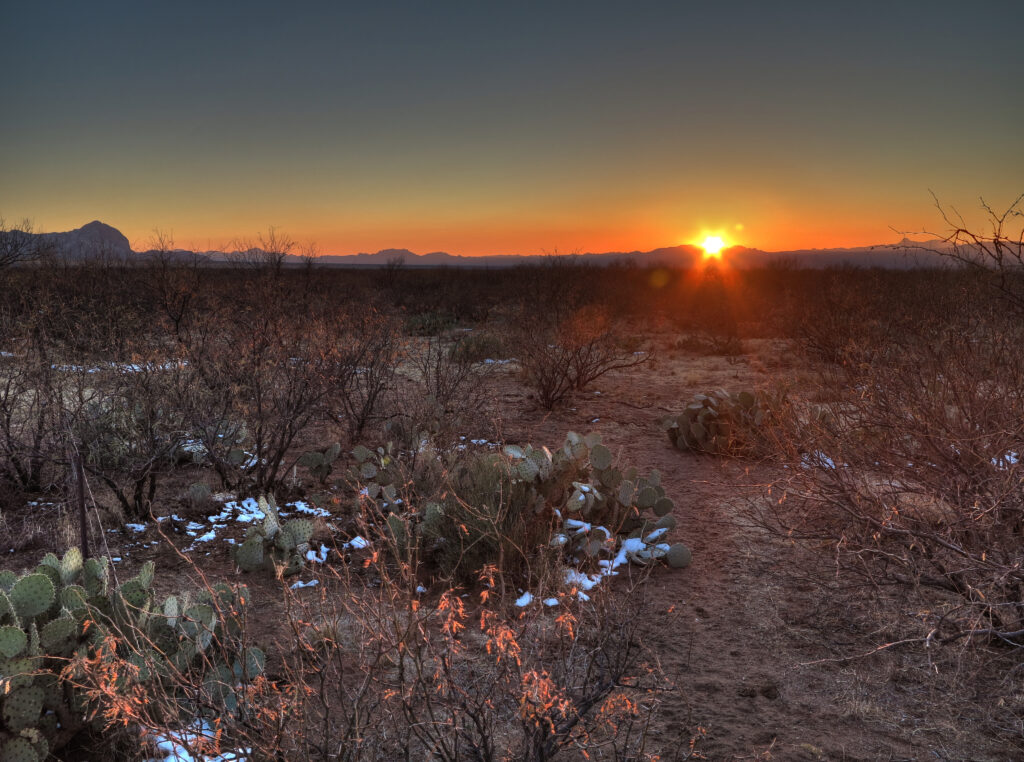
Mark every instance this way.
x=817 y=459
x=1007 y=459
x=318 y=557
x=357 y=543
x=550 y=601
x=192 y=528
x=581 y=527
x=581 y=580
x=193 y=446
x=524 y=600
x=136 y=527
x=175 y=747
x=629 y=546
x=248 y=511
x=303 y=507
x=656 y=534
x=301 y=584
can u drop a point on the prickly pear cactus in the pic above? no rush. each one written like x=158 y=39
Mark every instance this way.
x=717 y=423
x=321 y=462
x=271 y=545
x=595 y=505
x=605 y=516
x=63 y=611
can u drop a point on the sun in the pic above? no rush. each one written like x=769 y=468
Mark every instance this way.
x=713 y=246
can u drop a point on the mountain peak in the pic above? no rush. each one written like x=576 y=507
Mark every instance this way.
x=98 y=226
x=93 y=239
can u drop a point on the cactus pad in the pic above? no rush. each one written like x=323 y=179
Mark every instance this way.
x=58 y=635
x=32 y=595
x=250 y=555
x=70 y=566
x=22 y=707
x=18 y=750
x=678 y=556
x=600 y=457
x=13 y=641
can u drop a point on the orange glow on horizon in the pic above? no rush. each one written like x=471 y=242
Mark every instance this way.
x=776 y=230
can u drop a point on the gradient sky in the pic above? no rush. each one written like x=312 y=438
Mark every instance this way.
x=487 y=128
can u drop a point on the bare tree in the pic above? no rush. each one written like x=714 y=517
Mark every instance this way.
x=19 y=243
x=175 y=281
x=1000 y=250
x=267 y=253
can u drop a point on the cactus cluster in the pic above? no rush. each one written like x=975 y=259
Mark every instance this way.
x=66 y=609
x=607 y=505
x=321 y=462
x=717 y=423
x=380 y=473
x=272 y=545
x=462 y=519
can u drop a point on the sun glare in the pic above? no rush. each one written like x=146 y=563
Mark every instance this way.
x=713 y=246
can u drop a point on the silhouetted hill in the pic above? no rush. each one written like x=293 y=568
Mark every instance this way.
x=96 y=239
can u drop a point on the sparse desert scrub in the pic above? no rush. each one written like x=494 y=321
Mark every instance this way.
x=261 y=377
x=30 y=423
x=911 y=478
x=706 y=610
x=374 y=666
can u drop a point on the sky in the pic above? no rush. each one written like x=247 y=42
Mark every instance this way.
x=510 y=128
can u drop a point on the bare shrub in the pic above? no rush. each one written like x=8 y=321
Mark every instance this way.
x=128 y=427
x=377 y=670
x=174 y=284
x=260 y=378
x=911 y=478
x=29 y=420
x=479 y=347
x=19 y=244
x=564 y=353
x=267 y=254
x=443 y=395
x=371 y=349
x=998 y=252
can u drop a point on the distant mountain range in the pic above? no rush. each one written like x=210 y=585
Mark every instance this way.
x=98 y=239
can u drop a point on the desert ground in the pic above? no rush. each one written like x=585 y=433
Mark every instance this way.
x=765 y=646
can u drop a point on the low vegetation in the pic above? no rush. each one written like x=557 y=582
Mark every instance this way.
x=419 y=581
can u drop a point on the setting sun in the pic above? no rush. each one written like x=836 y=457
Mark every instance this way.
x=713 y=246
